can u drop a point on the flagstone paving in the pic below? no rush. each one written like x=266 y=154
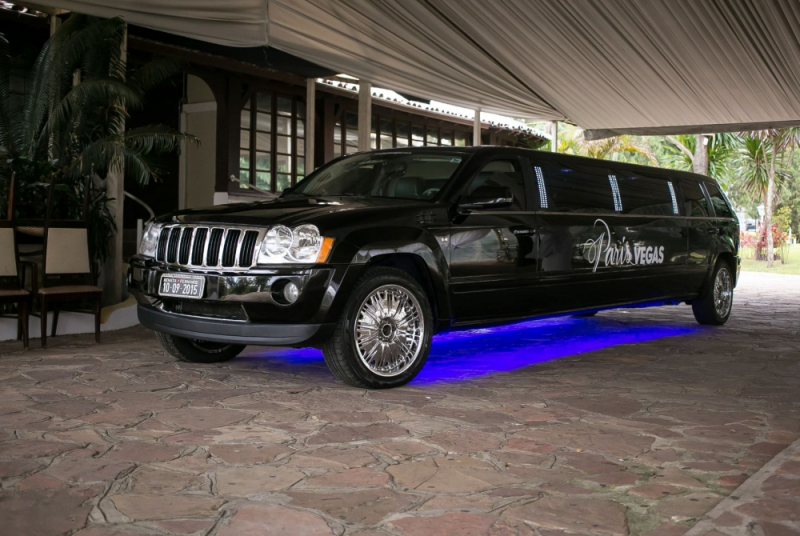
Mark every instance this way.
x=631 y=422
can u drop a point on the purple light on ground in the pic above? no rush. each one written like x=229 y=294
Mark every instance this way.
x=468 y=354
x=463 y=355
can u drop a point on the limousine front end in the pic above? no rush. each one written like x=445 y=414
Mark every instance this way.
x=234 y=284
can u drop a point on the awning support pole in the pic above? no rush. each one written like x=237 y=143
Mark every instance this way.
x=115 y=188
x=554 y=133
x=311 y=98
x=364 y=114
x=476 y=128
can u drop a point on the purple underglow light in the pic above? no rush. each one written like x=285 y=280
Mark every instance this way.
x=464 y=355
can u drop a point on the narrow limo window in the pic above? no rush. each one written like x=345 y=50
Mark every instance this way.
x=645 y=195
x=571 y=188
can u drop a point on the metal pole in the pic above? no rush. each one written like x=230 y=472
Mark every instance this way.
x=554 y=141
x=476 y=128
x=311 y=98
x=364 y=114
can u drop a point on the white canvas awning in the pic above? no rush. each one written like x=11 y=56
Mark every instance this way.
x=610 y=66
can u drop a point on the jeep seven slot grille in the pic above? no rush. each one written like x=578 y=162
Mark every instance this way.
x=208 y=246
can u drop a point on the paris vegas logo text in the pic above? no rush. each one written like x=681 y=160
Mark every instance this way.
x=619 y=253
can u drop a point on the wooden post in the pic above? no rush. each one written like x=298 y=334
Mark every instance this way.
x=554 y=133
x=364 y=114
x=311 y=98
x=476 y=128
x=55 y=22
x=115 y=189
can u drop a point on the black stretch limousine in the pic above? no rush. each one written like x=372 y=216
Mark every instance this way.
x=374 y=253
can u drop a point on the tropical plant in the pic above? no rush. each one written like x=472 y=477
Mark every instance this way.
x=686 y=152
x=70 y=124
x=620 y=148
x=767 y=151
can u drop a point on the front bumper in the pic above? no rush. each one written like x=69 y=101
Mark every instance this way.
x=240 y=308
x=232 y=332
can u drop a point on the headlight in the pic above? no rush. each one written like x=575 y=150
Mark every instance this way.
x=277 y=241
x=306 y=244
x=150 y=240
x=303 y=244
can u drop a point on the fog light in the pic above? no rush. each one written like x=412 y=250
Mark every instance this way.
x=291 y=292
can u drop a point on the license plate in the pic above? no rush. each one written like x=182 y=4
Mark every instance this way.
x=182 y=286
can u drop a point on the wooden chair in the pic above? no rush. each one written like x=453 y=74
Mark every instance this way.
x=11 y=277
x=66 y=267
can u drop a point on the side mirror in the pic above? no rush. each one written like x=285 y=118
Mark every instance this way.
x=487 y=198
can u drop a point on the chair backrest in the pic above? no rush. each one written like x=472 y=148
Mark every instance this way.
x=66 y=246
x=9 y=256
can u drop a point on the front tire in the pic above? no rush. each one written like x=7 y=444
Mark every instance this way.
x=196 y=351
x=383 y=336
x=714 y=305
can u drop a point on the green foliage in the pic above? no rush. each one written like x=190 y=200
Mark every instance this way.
x=61 y=132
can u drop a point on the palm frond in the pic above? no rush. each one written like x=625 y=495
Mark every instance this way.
x=100 y=157
x=138 y=168
x=157 y=139
x=155 y=73
x=116 y=93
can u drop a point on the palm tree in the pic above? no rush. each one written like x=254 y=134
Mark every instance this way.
x=71 y=123
x=767 y=151
x=572 y=141
x=707 y=155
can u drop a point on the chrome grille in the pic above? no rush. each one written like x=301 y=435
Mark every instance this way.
x=204 y=246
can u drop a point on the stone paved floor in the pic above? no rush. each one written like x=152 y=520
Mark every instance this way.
x=632 y=422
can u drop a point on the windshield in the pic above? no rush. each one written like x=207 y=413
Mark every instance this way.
x=398 y=175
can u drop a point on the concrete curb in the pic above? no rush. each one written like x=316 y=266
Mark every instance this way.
x=748 y=492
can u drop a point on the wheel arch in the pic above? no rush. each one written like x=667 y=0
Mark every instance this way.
x=729 y=258
x=425 y=265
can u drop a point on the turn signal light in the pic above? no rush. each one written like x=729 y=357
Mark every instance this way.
x=325 y=249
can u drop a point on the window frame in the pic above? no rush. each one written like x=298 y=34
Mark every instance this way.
x=527 y=202
x=380 y=114
x=724 y=200
x=535 y=194
x=649 y=177
x=297 y=107
x=686 y=214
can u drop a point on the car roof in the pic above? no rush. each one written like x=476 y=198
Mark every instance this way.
x=546 y=155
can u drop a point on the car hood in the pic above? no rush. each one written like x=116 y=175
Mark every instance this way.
x=287 y=211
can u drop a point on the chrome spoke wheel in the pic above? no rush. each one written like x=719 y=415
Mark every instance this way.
x=723 y=292
x=389 y=330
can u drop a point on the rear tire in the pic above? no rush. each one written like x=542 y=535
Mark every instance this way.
x=383 y=336
x=195 y=351
x=713 y=306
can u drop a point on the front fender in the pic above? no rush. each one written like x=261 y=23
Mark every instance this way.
x=425 y=247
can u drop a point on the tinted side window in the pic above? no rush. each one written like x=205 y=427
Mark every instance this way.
x=646 y=195
x=501 y=174
x=573 y=188
x=696 y=204
x=721 y=207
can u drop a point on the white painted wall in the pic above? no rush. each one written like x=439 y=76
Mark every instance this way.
x=198 y=163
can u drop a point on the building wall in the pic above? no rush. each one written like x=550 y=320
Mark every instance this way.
x=199 y=118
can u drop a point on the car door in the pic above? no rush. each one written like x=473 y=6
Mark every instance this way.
x=701 y=233
x=579 y=256
x=492 y=272
x=653 y=233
